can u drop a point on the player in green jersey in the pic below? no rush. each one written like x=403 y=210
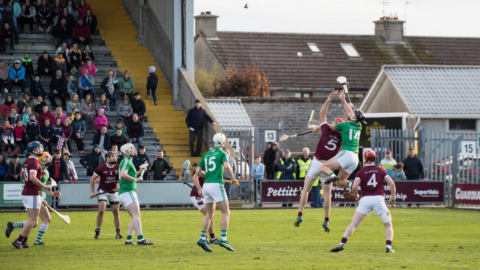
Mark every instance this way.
x=347 y=159
x=127 y=193
x=214 y=162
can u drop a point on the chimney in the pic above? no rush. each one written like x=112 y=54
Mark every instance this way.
x=390 y=29
x=206 y=23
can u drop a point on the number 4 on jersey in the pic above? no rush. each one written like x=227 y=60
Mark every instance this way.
x=356 y=137
x=373 y=181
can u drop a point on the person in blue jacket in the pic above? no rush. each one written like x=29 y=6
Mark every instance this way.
x=17 y=76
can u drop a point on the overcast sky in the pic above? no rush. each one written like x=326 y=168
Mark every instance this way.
x=424 y=17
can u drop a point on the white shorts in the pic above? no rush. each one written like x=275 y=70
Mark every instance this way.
x=112 y=198
x=128 y=198
x=348 y=160
x=32 y=202
x=314 y=170
x=214 y=192
x=369 y=203
x=198 y=202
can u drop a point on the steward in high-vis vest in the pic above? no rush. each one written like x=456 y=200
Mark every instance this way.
x=303 y=164
x=286 y=167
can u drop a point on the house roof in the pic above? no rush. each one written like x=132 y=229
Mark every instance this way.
x=434 y=90
x=229 y=113
x=276 y=53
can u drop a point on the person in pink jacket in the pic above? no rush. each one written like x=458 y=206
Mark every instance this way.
x=82 y=9
x=91 y=68
x=59 y=114
x=101 y=120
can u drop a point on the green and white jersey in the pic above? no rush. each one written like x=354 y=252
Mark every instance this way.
x=212 y=163
x=44 y=178
x=126 y=186
x=350 y=135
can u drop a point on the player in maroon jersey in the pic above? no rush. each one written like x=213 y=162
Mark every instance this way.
x=200 y=204
x=31 y=192
x=370 y=179
x=108 y=174
x=327 y=148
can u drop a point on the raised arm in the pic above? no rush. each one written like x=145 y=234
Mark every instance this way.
x=324 y=109
x=346 y=106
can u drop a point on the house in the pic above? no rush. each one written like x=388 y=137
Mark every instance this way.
x=325 y=57
x=436 y=98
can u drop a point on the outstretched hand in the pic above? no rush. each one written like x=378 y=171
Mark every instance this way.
x=333 y=95
x=341 y=94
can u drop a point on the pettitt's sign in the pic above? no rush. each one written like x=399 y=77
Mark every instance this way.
x=467 y=193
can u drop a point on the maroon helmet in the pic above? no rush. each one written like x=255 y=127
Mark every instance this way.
x=369 y=155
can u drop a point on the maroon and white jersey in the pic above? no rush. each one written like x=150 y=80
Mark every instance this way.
x=31 y=164
x=371 y=180
x=193 y=193
x=108 y=177
x=329 y=144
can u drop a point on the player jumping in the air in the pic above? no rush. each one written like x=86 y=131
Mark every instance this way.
x=127 y=195
x=371 y=179
x=45 y=160
x=327 y=148
x=346 y=160
x=108 y=174
x=214 y=162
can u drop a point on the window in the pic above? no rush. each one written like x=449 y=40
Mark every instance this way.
x=304 y=95
x=313 y=47
x=350 y=50
x=463 y=124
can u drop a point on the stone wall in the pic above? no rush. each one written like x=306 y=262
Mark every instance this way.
x=295 y=113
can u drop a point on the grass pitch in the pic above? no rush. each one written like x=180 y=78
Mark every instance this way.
x=262 y=239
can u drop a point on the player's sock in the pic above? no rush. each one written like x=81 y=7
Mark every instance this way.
x=332 y=174
x=349 y=184
x=139 y=237
x=19 y=224
x=20 y=238
x=224 y=235
x=25 y=240
x=212 y=236
x=41 y=232
x=203 y=235
x=118 y=231
x=98 y=229
x=129 y=238
x=344 y=241
x=300 y=214
x=389 y=243
x=327 y=219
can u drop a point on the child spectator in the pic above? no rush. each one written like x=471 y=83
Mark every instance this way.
x=72 y=87
x=8 y=137
x=58 y=134
x=91 y=68
x=44 y=16
x=70 y=165
x=20 y=138
x=88 y=110
x=13 y=117
x=78 y=129
x=7 y=105
x=75 y=56
x=126 y=85
x=103 y=103
x=38 y=108
x=67 y=133
x=8 y=37
x=62 y=49
x=152 y=82
x=14 y=169
x=87 y=54
x=58 y=170
x=61 y=63
x=119 y=125
x=124 y=112
x=3 y=167
x=91 y=21
x=26 y=114
x=101 y=120
x=46 y=114
x=110 y=85
x=59 y=115
x=3 y=75
x=398 y=174
x=36 y=88
x=32 y=129
x=28 y=65
x=71 y=117
x=24 y=101
x=85 y=84
x=46 y=135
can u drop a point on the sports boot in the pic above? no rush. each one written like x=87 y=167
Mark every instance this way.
x=203 y=244
x=226 y=245
x=326 y=226
x=337 y=248
x=297 y=223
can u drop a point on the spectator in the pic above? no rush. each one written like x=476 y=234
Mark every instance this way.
x=233 y=165
x=71 y=167
x=92 y=70
x=38 y=108
x=413 y=166
x=81 y=32
x=303 y=164
x=110 y=85
x=86 y=83
x=119 y=126
x=278 y=154
x=56 y=11
x=58 y=170
x=135 y=131
x=69 y=20
x=46 y=114
x=103 y=103
x=79 y=129
x=36 y=87
x=61 y=63
x=27 y=64
x=257 y=173
x=160 y=167
x=28 y=15
x=124 y=112
x=8 y=137
x=195 y=119
x=62 y=33
x=82 y=9
x=102 y=139
x=13 y=117
x=44 y=17
x=119 y=139
x=72 y=9
x=62 y=49
x=58 y=140
x=75 y=57
x=126 y=85
x=88 y=110
x=140 y=159
x=92 y=161
x=45 y=65
x=138 y=105
x=91 y=21
x=316 y=195
x=74 y=103
x=286 y=167
x=58 y=88
x=14 y=169
x=398 y=174
x=3 y=167
x=72 y=87
x=87 y=54
x=26 y=114
x=32 y=129
x=24 y=101
x=7 y=105
x=20 y=141
x=4 y=73
x=67 y=133
x=388 y=162
x=152 y=82
x=101 y=120
x=59 y=115
x=46 y=135
x=269 y=161
x=7 y=38
x=17 y=11
x=114 y=149
x=17 y=76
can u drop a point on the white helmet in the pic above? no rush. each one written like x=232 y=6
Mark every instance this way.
x=219 y=140
x=128 y=149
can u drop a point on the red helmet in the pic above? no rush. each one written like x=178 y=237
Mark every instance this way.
x=338 y=120
x=369 y=155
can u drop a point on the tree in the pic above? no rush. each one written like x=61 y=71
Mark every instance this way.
x=247 y=81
